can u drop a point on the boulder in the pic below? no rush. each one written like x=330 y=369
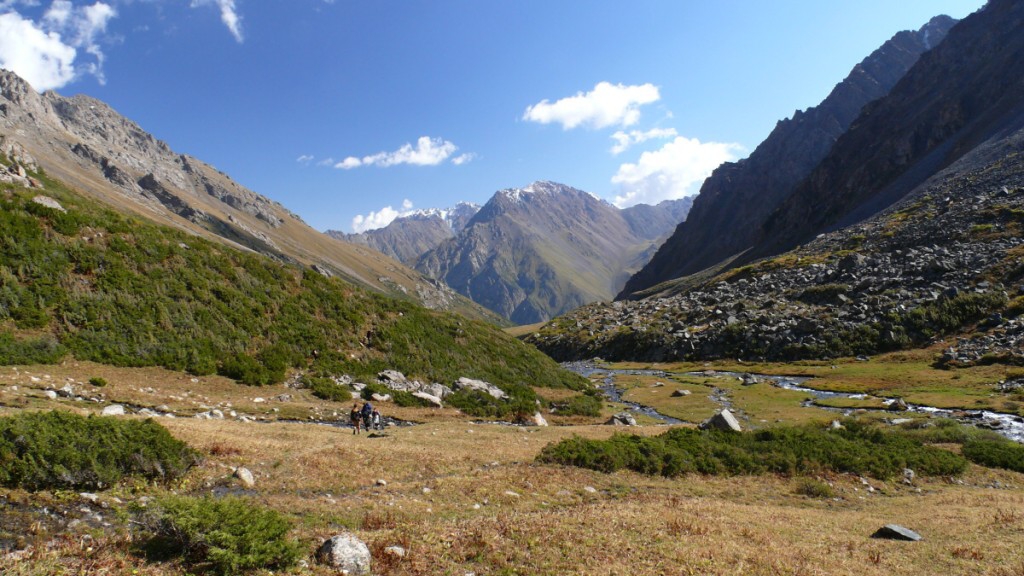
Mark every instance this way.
x=622 y=419
x=345 y=553
x=724 y=420
x=434 y=400
x=113 y=410
x=480 y=385
x=896 y=532
x=537 y=420
x=380 y=397
x=681 y=393
x=245 y=476
x=439 y=390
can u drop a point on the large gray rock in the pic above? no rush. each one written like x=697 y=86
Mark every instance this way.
x=896 y=532
x=480 y=385
x=114 y=410
x=724 y=420
x=622 y=419
x=346 y=553
x=434 y=400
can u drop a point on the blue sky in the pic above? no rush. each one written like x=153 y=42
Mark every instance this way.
x=349 y=112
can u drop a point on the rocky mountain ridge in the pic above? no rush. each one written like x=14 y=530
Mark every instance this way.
x=87 y=144
x=944 y=265
x=534 y=252
x=738 y=197
x=408 y=237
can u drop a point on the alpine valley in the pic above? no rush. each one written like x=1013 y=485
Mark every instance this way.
x=814 y=366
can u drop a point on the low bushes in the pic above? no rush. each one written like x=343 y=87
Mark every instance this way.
x=857 y=449
x=51 y=450
x=1000 y=453
x=222 y=535
x=327 y=389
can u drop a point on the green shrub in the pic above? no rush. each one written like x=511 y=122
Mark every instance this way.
x=226 y=536
x=814 y=488
x=521 y=402
x=50 y=450
x=98 y=382
x=579 y=405
x=44 y=350
x=327 y=389
x=857 y=448
x=996 y=454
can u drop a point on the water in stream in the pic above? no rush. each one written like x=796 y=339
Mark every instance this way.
x=1009 y=425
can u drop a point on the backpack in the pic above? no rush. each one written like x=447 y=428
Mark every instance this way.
x=367 y=408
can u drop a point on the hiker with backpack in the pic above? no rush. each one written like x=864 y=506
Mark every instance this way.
x=354 y=417
x=366 y=412
x=375 y=420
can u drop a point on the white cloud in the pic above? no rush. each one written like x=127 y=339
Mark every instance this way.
x=675 y=170
x=428 y=152
x=37 y=55
x=228 y=15
x=624 y=140
x=463 y=158
x=380 y=218
x=44 y=53
x=606 y=105
x=304 y=159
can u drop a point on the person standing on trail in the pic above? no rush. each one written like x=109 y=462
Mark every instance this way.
x=354 y=417
x=375 y=420
x=366 y=412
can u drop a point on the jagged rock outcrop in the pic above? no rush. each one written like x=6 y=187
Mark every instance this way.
x=85 y=143
x=535 y=252
x=739 y=196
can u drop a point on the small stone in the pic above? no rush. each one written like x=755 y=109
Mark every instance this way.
x=395 y=551
x=245 y=476
x=113 y=410
x=346 y=553
x=381 y=482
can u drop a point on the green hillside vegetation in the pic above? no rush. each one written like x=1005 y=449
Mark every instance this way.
x=114 y=289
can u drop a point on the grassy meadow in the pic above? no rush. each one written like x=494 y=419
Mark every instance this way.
x=463 y=497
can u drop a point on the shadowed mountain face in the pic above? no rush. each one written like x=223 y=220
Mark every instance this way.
x=532 y=253
x=408 y=237
x=966 y=91
x=738 y=197
x=87 y=144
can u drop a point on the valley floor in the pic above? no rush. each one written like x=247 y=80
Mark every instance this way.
x=463 y=497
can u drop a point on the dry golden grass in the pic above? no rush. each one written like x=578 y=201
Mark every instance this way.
x=463 y=497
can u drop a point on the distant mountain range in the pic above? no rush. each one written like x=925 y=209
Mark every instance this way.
x=408 y=237
x=736 y=201
x=85 y=143
x=532 y=253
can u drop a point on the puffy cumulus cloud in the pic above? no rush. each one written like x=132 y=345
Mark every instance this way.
x=38 y=56
x=624 y=140
x=606 y=105
x=228 y=15
x=675 y=170
x=427 y=152
x=380 y=218
x=45 y=52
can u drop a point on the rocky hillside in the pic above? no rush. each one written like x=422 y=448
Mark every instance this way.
x=737 y=198
x=88 y=145
x=966 y=91
x=947 y=261
x=535 y=252
x=408 y=237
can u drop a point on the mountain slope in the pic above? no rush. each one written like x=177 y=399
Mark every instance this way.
x=78 y=278
x=406 y=238
x=88 y=145
x=533 y=253
x=965 y=91
x=737 y=198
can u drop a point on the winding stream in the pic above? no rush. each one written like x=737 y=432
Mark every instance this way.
x=1009 y=425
